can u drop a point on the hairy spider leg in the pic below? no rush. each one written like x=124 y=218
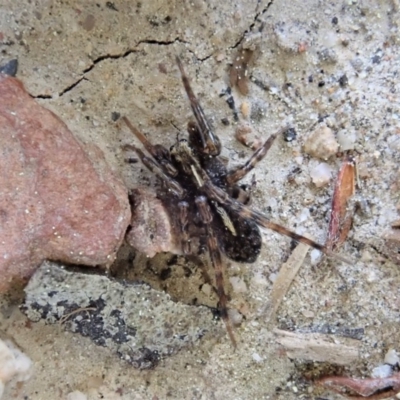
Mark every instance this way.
x=206 y=216
x=218 y=195
x=216 y=260
x=240 y=172
x=155 y=167
x=210 y=142
x=183 y=207
x=158 y=152
x=161 y=154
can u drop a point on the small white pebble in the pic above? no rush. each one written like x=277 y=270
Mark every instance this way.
x=235 y=317
x=257 y=358
x=308 y=313
x=206 y=289
x=371 y=276
x=321 y=174
x=76 y=395
x=259 y=279
x=366 y=256
x=392 y=358
x=376 y=154
x=299 y=160
x=238 y=284
x=13 y=364
x=315 y=256
x=382 y=371
x=304 y=215
x=346 y=140
x=220 y=57
x=272 y=277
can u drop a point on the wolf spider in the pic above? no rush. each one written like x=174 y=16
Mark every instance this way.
x=198 y=189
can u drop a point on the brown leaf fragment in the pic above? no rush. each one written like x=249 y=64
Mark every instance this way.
x=238 y=75
x=341 y=218
x=367 y=388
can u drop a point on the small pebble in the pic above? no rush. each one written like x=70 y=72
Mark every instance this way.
x=220 y=57
x=357 y=64
x=346 y=140
x=321 y=143
x=272 y=277
x=315 y=256
x=76 y=395
x=289 y=135
x=13 y=364
x=299 y=160
x=308 y=314
x=304 y=215
x=235 y=317
x=366 y=258
x=258 y=110
x=245 y=135
x=329 y=56
x=238 y=284
x=206 y=289
x=321 y=174
x=259 y=279
x=382 y=371
x=343 y=81
x=392 y=358
x=10 y=68
x=257 y=358
x=245 y=109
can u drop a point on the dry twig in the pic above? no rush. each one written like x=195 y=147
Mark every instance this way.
x=366 y=388
x=319 y=347
x=284 y=279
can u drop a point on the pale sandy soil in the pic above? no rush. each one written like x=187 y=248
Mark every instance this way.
x=87 y=60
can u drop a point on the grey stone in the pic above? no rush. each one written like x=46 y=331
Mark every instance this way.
x=139 y=324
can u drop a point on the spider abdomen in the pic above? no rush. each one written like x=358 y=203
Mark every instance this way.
x=245 y=246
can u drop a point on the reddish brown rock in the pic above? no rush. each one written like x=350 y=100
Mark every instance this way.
x=54 y=204
x=151 y=231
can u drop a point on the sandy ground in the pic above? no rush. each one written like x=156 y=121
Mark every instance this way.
x=315 y=63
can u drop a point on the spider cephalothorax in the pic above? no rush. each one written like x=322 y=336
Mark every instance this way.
x=204 y=199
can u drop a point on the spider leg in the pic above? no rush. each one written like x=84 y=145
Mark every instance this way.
x=216 y=260
x=218 y=195
x=210 y=143
x=238 y=173
x=155 y=167
x=183 y=222
x=158 y=152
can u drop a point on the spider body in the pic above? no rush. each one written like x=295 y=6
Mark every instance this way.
x=238 y=238
x=204 y=198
